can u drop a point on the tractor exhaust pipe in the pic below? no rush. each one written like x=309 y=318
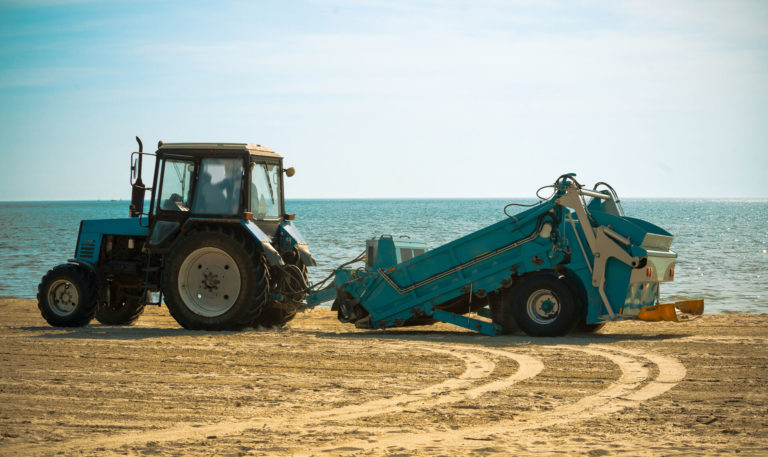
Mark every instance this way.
x=138 y=191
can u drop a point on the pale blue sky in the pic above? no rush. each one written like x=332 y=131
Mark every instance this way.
x=392 y=99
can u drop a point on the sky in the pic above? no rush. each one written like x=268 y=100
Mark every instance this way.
x=390 y=99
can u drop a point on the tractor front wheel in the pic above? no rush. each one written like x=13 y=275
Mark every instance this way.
x=544 y=305
x=215 y=279
x=66 y=296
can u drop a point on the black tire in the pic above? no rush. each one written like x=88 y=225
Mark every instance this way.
x=501 y=311
x=67 y=296
x=214 y=278
x=544 y=305
x=275 y=316
x=585 y=328
x=123 y=308
x=348 y=309
x=291 y=282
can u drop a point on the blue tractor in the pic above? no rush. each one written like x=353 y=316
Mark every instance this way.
x=215 y=243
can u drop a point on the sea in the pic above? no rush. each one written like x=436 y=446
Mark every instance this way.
x=722 y=245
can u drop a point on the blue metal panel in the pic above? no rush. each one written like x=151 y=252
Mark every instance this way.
x=386 y=257
x=88 y=247
x=616 y=283
x=647 y=226
x=290 y=237
x=272 y=256
x=621 y=225
x=92 y=233
x=128 y=226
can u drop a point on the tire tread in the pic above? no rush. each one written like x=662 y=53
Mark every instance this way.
x=254 y=290
x=86 y=287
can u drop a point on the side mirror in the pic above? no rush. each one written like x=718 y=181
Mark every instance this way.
x=134 y=170
x=289 y=172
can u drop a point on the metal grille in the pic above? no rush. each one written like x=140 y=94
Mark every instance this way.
x=87 y=248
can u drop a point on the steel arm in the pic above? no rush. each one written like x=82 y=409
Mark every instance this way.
x=602 y=242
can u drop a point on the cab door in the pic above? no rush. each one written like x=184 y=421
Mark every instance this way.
x=173 y=198
x=266 y=195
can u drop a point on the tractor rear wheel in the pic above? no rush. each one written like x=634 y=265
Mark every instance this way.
x=66 y=296
x=123 y=308
x=290 y=281
x=275 y=315
x=215 y=279
x=544 y=305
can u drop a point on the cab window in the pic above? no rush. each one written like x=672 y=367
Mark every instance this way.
x=219 y=187
x=265 y=191
x=176 y=186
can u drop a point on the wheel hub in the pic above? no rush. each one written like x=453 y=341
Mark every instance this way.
x=64 y=297
x=543 y=306
x=209 y=282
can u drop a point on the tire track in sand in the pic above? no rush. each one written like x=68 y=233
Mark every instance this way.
x=477 y=368
x=629 y=390
x=528 y=367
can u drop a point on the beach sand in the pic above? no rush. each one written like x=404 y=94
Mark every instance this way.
x=319 y=387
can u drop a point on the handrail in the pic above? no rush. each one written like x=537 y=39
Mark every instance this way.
x=591 y=193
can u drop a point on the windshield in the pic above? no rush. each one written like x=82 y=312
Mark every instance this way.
x=265 y=191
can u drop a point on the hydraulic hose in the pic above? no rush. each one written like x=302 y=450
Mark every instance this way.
x=320 y=286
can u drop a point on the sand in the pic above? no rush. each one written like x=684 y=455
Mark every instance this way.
x=319 y=387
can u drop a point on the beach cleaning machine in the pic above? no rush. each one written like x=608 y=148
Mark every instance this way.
x=572 y=261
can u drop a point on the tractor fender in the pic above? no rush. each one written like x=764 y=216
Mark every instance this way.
x=270 y=253
x=291 y=237
x=98 y=277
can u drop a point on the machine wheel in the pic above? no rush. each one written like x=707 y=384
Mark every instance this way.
x=348 y=309
x=66 y=296
x=290 y=281
x=544 y=305
x=215 y=279
x=123 y=308
x=583 y=327
x=501 y=312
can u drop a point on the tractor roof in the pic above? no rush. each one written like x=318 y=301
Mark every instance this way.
x=212 y=148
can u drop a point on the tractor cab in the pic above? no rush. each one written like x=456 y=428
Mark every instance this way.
x=198 y=182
